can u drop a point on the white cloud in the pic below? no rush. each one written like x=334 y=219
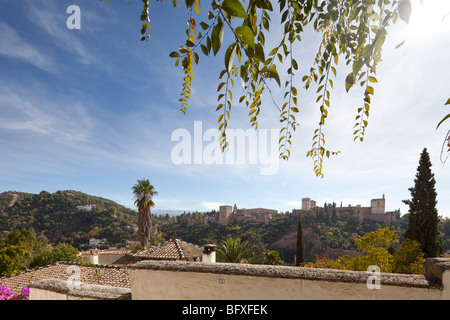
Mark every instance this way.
x=14 y=47
x=23 y=109
x=48 y=18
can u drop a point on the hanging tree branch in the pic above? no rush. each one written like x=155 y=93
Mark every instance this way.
x=353 y=29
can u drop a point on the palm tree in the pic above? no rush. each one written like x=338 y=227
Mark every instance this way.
x=143 y=194
x=272 y=257
x=233 y=250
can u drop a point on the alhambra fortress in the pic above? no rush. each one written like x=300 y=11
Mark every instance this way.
x=228 y=213
x=376 y=212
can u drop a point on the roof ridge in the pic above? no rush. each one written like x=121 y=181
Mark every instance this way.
x=86 y=264
x=180 y=251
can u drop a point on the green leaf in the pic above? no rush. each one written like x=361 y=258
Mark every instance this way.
x=217 y=36
x=189 y=4
x=271 y=72
x=369 y=90
x=204 y=25
x=229 y=56
x=380 y=39
x=404 y=10
x=174 y=54
x=204 y=50
x=357 y=65
x=349 y=81
x=259 y=53
x=234 y=8
x=445 y=118
x=245 y=34
x=220 y=86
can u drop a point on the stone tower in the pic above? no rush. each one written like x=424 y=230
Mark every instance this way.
x=224 y=214
x=378 y=206
x=306 y=204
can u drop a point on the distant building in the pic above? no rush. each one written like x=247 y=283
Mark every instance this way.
x=105 y=257
x=376 y=211
x=96 y=242
x=227 y=213
x=224 y=214
x=87 y=207
x=308 y=204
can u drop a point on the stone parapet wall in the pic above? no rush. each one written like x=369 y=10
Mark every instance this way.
x=180 y=280
x=53 y=289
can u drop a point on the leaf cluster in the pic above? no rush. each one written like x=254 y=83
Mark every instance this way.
x=354 y=30
x=377 y=248
x=22 y=250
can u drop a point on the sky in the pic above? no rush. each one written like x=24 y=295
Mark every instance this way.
x=93 y=109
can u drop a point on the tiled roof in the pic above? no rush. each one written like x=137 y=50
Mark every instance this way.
x=107 y=251
x=176 y=249
x=89 y=274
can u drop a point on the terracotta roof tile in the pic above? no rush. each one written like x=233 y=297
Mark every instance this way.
x=176 y=249
x=89 y=274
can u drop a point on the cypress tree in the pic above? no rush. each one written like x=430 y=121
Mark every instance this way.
x=423 y=216
x=300 y=248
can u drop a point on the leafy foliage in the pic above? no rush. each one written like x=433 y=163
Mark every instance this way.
x=233 y=250
x=337 y=232
x=378 y=249
x=21 y=250
x=351 y=31
x=55 y=216
x=299 y=247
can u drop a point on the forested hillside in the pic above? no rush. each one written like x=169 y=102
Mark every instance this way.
x=56 y=216
x=324 y=234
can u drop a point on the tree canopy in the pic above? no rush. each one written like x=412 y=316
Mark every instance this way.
x=143 y=193
x=423 y=216
x=353 y=33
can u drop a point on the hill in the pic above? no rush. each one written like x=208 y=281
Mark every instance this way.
x=323 y=234
x=74 y=217
x=56 y=216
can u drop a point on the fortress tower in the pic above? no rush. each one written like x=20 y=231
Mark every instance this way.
x=308 y=204
x=224 y=214
x=378 y=206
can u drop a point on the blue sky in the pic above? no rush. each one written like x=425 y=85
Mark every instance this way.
x=94 y=109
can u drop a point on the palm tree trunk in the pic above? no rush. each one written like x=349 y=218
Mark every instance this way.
x=144 y=225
